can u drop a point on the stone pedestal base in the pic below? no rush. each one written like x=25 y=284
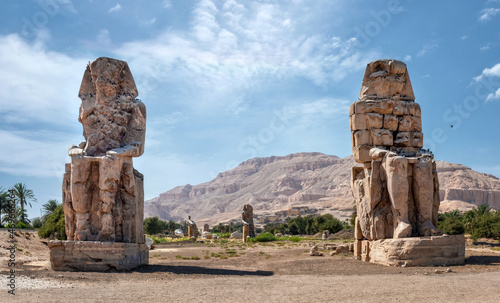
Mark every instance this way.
x=416 y=251
x=96 y=256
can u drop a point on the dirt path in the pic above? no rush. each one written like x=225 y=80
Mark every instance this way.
x=279 y=272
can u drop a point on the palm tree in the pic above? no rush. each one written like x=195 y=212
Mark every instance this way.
x=482 y=210
x=49 y=207
x=24 y=196
x=4 y=200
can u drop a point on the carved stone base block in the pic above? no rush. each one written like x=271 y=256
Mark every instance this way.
x=96 y=256
x=415 y=251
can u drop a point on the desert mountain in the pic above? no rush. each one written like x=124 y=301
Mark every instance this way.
x=306 y=183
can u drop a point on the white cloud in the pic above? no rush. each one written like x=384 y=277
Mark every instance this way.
x=427 y=48
x=103 y=37
x=464 y=37
x=147 y=22
x=40 y=85
x=494 y=96
x=239 y=47
x=115 y=8
x=250 y=46
x=485 y=47
x=407 y=58
x=489 y=72
x=493 y=72
x=166 y=4
x=38 y=93
x=312 y=112
x=488 y=13
x=33 y=153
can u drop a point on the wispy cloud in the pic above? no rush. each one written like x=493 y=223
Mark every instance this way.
x=407 y=58
x=316 y=110
x=488 y=13
x=41 y=85
x=103 y=37
x=228 y=53
x=33 y=153
x=485 y=47
x=38 y=94
x=147 y=22
x=115 y=8
x=426 y=49
x=242 y=46
x=166 y=3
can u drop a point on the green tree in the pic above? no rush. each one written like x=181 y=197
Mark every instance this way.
x=4 y=201
x=23 y=196
x=309 y=227
x=154 y=226
x=54 y=225
x=36 y=222
x=17 y=214
x=49 y=207
x=171 y=226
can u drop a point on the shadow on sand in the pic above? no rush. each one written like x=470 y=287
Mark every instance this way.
x=482 y=260
x=199 y=270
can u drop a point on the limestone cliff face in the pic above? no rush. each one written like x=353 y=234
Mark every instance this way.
x=462 y=184
x=313 y=179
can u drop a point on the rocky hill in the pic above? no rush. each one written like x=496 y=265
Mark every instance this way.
x=302 y=183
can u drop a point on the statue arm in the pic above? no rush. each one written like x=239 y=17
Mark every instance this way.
x=74 y=151
x=131 y=150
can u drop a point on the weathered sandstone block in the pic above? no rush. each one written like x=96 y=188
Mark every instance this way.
x=418 y=251
x=96 y=256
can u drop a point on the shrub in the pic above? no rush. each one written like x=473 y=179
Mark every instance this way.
x=54 y=225
x=264 y=237
x=309 y=225
x=37 y=223
x=452 y=226
x=21 y=225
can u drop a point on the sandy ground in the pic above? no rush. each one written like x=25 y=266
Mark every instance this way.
x=278 y=272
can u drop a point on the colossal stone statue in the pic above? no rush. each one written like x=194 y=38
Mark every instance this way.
x=103 y=196
x=396 y=189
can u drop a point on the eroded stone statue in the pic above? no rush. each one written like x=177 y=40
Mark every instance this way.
x=247 y=219
x=396 y=189
x=192 y=228
x=103 y=195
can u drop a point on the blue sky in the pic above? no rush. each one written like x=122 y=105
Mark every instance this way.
x=225 y=81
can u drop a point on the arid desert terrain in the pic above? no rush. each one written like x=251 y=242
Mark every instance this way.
x=230 y=271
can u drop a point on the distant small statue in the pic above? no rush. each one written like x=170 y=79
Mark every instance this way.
x=192 y=228
x=247 y=219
